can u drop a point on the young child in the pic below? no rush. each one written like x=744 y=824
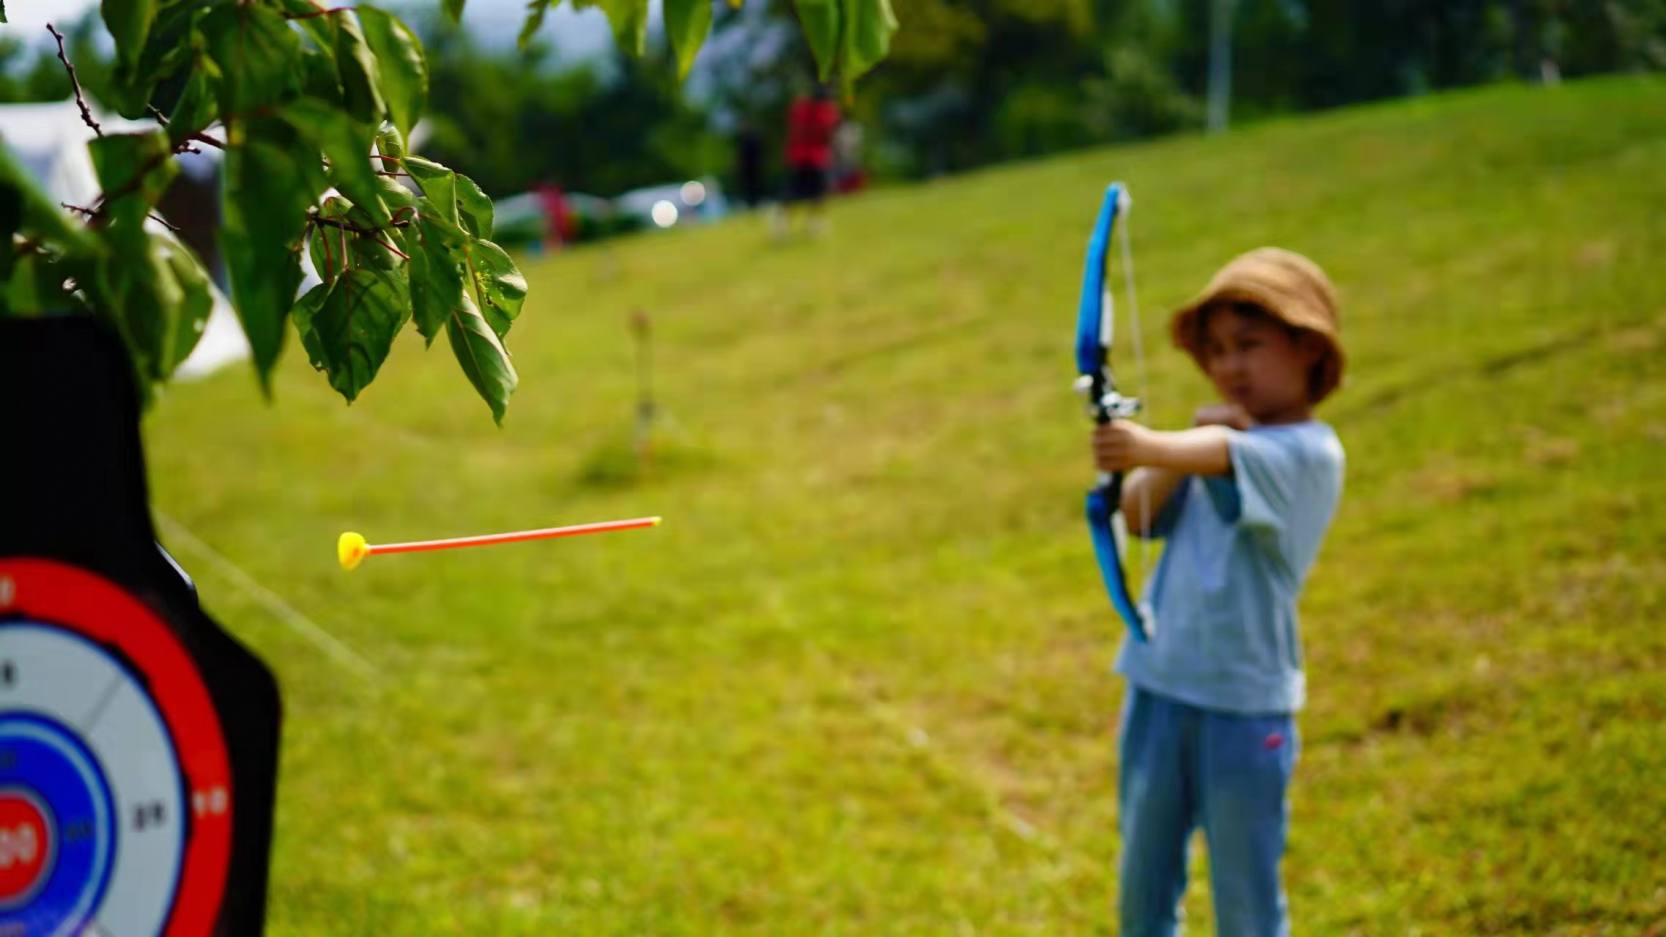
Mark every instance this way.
x=1243 y=499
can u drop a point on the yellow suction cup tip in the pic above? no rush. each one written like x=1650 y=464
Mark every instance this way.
x=351 y=550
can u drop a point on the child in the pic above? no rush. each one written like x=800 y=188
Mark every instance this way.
x=1243 y=498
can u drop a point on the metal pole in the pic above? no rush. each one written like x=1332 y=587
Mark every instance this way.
x=1220 y=64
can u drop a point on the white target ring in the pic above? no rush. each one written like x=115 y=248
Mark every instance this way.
x=115 y=790
x=66 y=681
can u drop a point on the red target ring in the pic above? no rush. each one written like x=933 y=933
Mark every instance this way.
x=25 y=846
x=93 y=608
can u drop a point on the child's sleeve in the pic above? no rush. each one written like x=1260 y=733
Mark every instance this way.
x=1169 y=514
x=1279 y=482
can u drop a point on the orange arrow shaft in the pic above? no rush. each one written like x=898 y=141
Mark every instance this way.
x=515 y=536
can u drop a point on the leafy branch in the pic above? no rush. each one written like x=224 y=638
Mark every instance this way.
x=311 y=107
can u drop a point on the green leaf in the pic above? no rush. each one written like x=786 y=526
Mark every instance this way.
x=439 y=186
x=197 y=303
x=140 y=163
x=535 y=11
x=482 y=357
x=34 y=287
x=391 y=142
x=400 y=64
x=3 y=12
x=455 y=197
x=347 y=144
x=173 y=42
x=134 y=169
x=377 y=250
x=129 y=23
x=320 y=29
x=820 y=21
x=395 y=195
x=868 y=25
x=687 y=22
x=454 y=10
x=353 y=328
x=269 y=183
x=258 y=55
x=36 y=211
x=302 y=313
x=629 y=19
x=361 y=80
x=11 y=219
x=136 y=290
x=319 y=77
x=344 y=237
x=498 y=284
x=196 y=107
x=436 y=277
x=328 y=244
x=475 y=206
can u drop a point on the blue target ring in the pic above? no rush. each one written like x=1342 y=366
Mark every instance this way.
x=44 y=758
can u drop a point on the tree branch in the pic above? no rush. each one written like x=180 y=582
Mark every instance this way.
x=319 y=11
x=93 y=216
x=131 y=186
x=390 y=247
x=80 y=98
x=349 y=226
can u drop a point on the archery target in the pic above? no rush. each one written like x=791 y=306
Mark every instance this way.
x=115 y=786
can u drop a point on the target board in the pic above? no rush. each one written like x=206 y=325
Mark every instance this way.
x=138 y=741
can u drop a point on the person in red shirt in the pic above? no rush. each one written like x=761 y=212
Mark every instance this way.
x=811 y=122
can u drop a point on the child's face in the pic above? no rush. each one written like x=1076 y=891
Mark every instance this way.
x=1258 y=364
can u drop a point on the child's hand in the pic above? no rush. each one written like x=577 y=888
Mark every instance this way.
x=1223 y=414
x=1119 y=445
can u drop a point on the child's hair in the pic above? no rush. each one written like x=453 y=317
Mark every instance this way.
x=1278 y=286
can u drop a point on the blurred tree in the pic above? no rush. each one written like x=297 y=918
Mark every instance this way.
x=312 y=108
x=1615 y=35
x=514 y=120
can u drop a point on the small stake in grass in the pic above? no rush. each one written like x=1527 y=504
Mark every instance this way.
x=642 y=332
x=351 y=549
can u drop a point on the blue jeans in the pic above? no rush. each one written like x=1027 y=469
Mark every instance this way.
x=1184 y=767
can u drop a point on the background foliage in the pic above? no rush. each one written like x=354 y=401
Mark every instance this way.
x=970 y=83
x=307 y=102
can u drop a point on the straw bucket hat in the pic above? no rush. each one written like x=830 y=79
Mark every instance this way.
x=1291 y=288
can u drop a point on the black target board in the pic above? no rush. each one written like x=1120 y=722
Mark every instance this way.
x=138 y=740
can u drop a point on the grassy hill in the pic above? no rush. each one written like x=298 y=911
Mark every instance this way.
x=859 y=682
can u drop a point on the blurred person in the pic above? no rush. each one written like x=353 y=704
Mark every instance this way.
x=749 y=163
x=848 y=174
x=811 y=122
x=1243 y=499
x=560 y=225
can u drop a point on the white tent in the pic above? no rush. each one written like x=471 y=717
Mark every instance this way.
x=51 y=141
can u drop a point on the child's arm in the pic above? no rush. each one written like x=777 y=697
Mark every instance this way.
x=1145 y=492
x=1159 y=461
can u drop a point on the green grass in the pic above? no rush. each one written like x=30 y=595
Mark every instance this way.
x=859 y=682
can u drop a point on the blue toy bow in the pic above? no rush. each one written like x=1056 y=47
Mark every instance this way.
x=1095 y=329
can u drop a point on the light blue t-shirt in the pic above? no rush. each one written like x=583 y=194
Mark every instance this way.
x=1222 y=604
